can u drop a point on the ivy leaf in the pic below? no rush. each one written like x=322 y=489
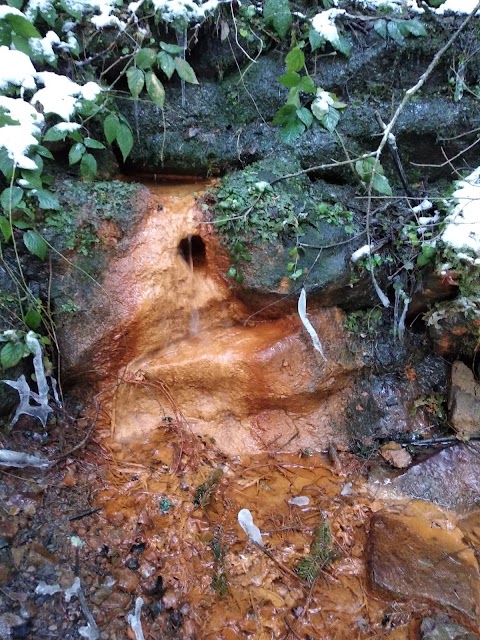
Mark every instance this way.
x=93 y=144
x=88 y=166
x=293 y=97
x=166 y=63
x=124 y=140
x=171 y=48
x=35 y=244
x=111 y=125
x=75 y=153
x=11 y=354
x=13 y=195
x=6 y=164
x=47 y=200
x=146 y=58
x=305 y=116
x=33 y=318
x=5 y=228
x=185 y=71
x=277 y=13
x=307 y=85
x=22 y=26
x=155 y=89
x=330 y=120
x=135 y=81
x=295 y=59
x=290 y=79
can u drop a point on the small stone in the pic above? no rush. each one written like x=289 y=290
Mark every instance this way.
x=127 y=580
x=8 y=529
x=396 y=455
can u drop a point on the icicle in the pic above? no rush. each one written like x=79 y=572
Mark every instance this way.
x=25 y=393
x=302 y=312
x=18 y=459
x=134 y=620
x=245 y=520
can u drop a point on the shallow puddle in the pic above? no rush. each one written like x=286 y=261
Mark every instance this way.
x=177 y=499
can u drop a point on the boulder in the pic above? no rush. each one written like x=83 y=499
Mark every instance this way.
x=419 y=554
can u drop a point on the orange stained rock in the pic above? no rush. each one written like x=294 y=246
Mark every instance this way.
x=188 y=352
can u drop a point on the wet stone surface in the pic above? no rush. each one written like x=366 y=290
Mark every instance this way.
x=449 y=478
x=419 y=554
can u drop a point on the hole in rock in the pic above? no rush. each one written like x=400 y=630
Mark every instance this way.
x=192 y=250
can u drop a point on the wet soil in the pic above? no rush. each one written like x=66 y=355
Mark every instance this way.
x=165 y=528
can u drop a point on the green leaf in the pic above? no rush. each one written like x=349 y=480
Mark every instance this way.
x=146 y=58
x=33 y=318
x=294 y=97
x=22 y=26
x=315 y=39
x=171 y=48
x=232 y=272
x=135 y=81
x=76 y=152
x=394 y=32
x=381 y=185
x=90 y=143
x=277 y=14
x=285 y=114
x=35 y=244
x=6 y=164
x=22 y=224
x=415 y=27
x=49 y=14
x=111 y=125
x=88 y=167
x=330 y=119
x=290 y=79
x=291 y=131
x=305 y=116
x=5 y=228
x=54 y=134
x=166 y=63
x=428 y=253
x=124 y=140
x=380 y=26
x=16 y=4
x=22 y=44
x=185 y=71
x=343 y=45
x=11 y=354
x=295 y=59
x=47 y=200
x=155 y=89
x=12 y=195
x=44 y=152
x=307 y=85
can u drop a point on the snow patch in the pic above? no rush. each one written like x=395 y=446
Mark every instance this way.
x=324 y=24
x=462 y=231
x=16 y=68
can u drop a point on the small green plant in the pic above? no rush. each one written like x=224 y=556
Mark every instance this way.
x=15 y=347
x=293 y=118
x=219 y=579
x=398 y=30
x=335 y=214
x=363 y=323
x=165 y=505
x=207 y=489
x=322 y=553
x=371 y=173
